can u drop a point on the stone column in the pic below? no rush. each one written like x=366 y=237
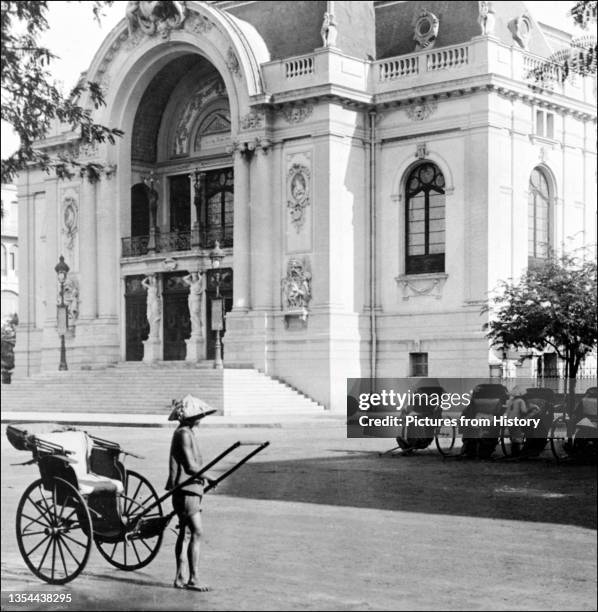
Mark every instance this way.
x=107 y=251
x=241 y=233
x=87 y=240
x=261 y=228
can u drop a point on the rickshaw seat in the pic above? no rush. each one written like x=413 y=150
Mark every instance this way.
x=79 y=446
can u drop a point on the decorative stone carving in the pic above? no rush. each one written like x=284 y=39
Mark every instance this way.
x=421 y=150
x=328 y=31
x=297 y=114
x=155 y=17
x=170 y=264
x=70 y=220
x=296 y=287
x=521 y=29
x=486 y=17
x=298 y=193
x=232 y=63
x=419 y=111
x=196 y=283
x=212 y=90
x=154 y=306
x=425 y=30
x=422 y=285
x=252 y=119
x=71 y=299
x=199 y=24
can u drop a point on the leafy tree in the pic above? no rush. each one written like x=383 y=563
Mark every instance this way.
x=32 y=101
x=553 y=305
x=580 y=57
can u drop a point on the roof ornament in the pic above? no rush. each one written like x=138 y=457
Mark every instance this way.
x=425 y=30
x=155 y=17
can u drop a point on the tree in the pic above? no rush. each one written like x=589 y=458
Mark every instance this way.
x=580 y=57
x=553 y=305
x=32 y=102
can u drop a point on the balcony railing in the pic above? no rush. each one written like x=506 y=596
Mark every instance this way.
x=299 y=66
x=203 y=238
x=362 y=79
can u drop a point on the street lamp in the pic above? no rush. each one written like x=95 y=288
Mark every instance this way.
x=216 y=257
x=62 y=270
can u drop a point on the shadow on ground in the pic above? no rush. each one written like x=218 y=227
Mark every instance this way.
x=538 y=490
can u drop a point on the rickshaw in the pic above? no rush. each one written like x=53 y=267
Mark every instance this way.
x=86 y=495
x=414 y=437
x=542 y=403
x=576 y=435
x=488 y=400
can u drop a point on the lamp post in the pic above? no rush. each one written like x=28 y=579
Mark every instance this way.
x=216 y=257
x=62 y=270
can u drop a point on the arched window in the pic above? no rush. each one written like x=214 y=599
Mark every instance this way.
x=425 y=216
x=538 y=217
x=3 y=260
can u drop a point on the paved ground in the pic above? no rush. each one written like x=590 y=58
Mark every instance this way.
x=320 y=522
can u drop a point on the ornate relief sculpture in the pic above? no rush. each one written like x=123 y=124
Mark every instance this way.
x=70 y=218
x=297 y=113
x=71 y=298
x=426 y=30
x=328 y=30
x=419 y=111
x=153 y=17
x=232 y=62
x=252 y=119
x=298 y=184
x=296 y=287
x=196 y=283
x=209 y=91
x=521 y=29
x=154 y=307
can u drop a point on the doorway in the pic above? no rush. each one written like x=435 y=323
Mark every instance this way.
x=176 y=321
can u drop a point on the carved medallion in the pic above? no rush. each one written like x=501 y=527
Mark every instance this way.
x=521 y=29
x=426 y=30
x=298 y=193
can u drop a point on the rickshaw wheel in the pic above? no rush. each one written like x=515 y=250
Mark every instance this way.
x=54 y=531
x=137 y=552
x=444 y=438
x=560 y=439
x=506 y=444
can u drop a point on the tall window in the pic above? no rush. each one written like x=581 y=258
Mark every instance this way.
x=538 y=217
x=218 y=210
x=425 y=208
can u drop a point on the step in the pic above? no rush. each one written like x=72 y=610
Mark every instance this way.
x=135 y=387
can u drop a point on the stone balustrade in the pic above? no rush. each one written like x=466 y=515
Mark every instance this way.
x=289 y=79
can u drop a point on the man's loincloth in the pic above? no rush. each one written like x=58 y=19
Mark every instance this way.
x=186 y=504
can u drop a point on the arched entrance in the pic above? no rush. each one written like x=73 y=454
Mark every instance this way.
x=180 y=156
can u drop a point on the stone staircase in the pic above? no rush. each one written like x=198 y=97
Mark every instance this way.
x=137 y=388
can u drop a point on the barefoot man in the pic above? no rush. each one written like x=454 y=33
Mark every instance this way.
x=185 y=460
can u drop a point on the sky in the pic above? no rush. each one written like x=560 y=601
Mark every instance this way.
x=75 y=36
